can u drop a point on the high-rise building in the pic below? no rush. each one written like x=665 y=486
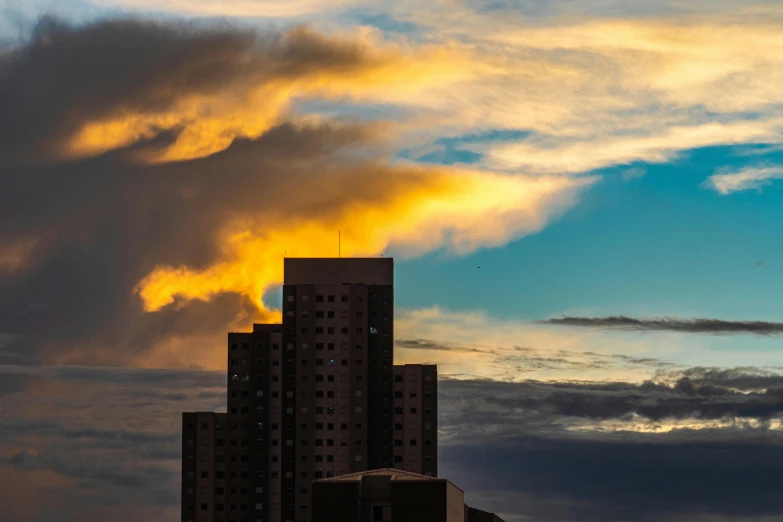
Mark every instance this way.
x=315 y=397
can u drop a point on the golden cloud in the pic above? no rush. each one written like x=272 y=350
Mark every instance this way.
x=302 y=65
x=420 y=209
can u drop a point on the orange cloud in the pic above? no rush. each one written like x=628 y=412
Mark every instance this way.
x=416 y=211
x=302 y=65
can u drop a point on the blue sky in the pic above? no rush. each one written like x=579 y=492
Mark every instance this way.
x=659 y=245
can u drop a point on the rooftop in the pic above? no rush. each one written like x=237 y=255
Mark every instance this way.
x=338 y=271
x=393 y=474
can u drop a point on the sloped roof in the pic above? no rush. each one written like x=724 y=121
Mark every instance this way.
x=394 y=474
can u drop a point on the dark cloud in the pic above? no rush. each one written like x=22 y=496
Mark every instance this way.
x=656 y=402
x=64 y=76
x=703 y=326
x=508 y=445
x=98 y=226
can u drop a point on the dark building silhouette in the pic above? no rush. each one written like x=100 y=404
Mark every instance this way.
x=392 y=495
x=317 y=396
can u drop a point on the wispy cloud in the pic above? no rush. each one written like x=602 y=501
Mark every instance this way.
x=673 y=324
x=751 y=178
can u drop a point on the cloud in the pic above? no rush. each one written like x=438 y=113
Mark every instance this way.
x=745 y=179
x=673 y=324
x=106 y=441
x=206 y=84
x=122 y=231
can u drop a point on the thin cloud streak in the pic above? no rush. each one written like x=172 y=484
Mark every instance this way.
x=751 y=178
x=672 y=324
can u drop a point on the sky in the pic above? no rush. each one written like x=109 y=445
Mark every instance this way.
x=582 y=200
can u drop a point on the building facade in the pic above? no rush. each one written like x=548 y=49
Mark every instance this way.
x=317 y=396
x=392 y=495
x=387 y=495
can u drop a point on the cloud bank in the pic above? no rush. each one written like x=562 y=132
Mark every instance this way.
x=156 y=173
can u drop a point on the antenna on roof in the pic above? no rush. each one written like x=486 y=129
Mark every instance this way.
x=339 y=245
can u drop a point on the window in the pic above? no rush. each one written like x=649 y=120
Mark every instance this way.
x=330 y=346
x=398 y=411
x=330 y=298
x=331 y=362
x=398 y=426
x=319 y=362
x=330 y=395
x=319 y=329
x=398 y=395
x=398 y=458
x=330 y=378
x=344 y=298
x=290 y=298
x=398 y=443
x=330 y=330
x=319 y=314
x=275 y=346
x=205 y=474
x=385 y=330
x=428 y=443
x=330 y=409
x=358 y=329
x=385 y=315
x=319 y=299
x=344 y=362
x=413 y=395
x=358 y=314
x=359 y=298
x=330 y=314
x=344 y=330
x=398 y=378
x=319 y=378
x=373 y=330
x=413 y=442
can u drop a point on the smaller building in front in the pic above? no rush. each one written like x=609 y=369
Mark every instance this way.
x=392 y=495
